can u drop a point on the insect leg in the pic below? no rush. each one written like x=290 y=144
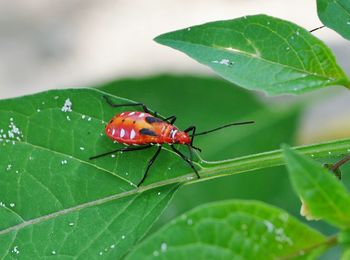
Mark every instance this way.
x=150 y=162
x=193 y=129
x=124 y=149
x=108 y=100
x=185 y=159
x=171 y=118
x=340 y=163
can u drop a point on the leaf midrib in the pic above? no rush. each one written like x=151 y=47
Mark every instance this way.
x=251 y=56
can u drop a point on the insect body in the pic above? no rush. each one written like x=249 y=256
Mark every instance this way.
x=142 y=130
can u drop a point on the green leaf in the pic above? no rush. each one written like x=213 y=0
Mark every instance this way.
x=335 y=14
x=260 y=52
x=346 y=254
x=230 y=230
x=54 y=200
x=184 y=97
x=325 y=196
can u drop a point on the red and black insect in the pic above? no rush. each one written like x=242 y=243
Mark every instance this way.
x=147 y=128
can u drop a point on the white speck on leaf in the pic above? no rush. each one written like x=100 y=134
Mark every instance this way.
x=64 y=162
x=82 y=148
x=163 y=247
x=67 y=107
x=71 y=224
x=38 y=110
x=189 y=222
x=281 y=237
x=225 y=62
x=155 y=253
x=53 y=252
x=112 y=246
x=123 y=237
x=158 y=193
x=12 y=205
x=268 y=225
x=68 y=118
x=15 y=250
x=89 y=119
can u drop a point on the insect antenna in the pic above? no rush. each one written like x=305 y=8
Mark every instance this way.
x=221 y=127
x=313 y=30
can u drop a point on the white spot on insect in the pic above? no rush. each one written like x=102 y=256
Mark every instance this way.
x=15 y=250
x=67 y=107
x=163 y=247
x=113 y=131
x=82 y=148
x=225 y=62
x=122 y=133
x=173 y=134
x=122 y=114
x=132 y=134
x=142 y=115
x=131 y=113
x=12 y=205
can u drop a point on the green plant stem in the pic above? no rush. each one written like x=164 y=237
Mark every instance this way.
x=330 y=242
x=328 y=150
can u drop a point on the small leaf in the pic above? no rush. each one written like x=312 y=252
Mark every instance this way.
x=260 y=52
x=324 y=194
x=335 y=14
x=230 y=230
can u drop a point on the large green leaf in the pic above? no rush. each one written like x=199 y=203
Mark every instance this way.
x=324 y=195
x=230 y=230
x=54 y=201
x=335 y=14
x=260 y=52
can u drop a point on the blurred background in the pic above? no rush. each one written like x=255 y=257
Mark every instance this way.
x=47 y=44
